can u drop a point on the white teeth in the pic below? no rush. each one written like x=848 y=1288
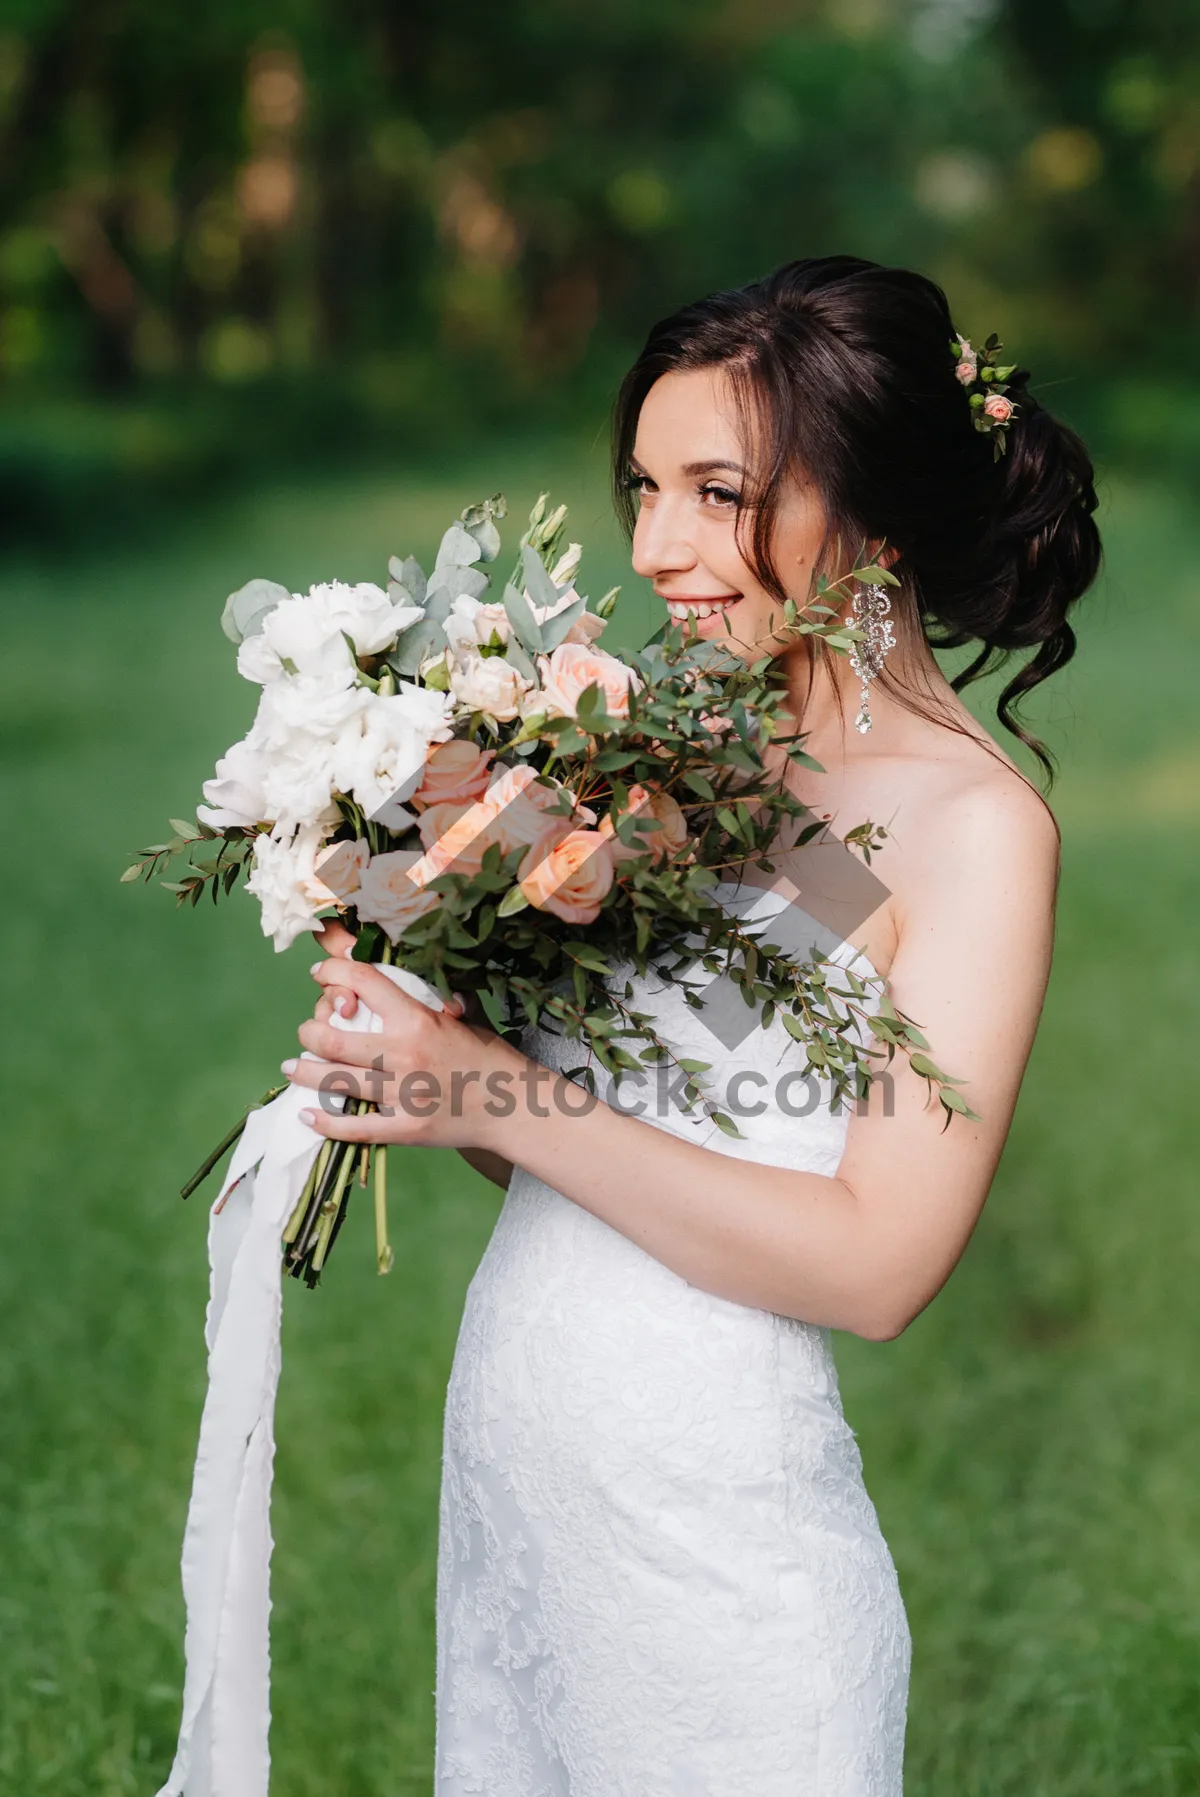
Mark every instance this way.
x=679 y=609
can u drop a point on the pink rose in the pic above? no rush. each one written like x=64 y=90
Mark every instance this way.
x=457 y=771
x=568 y=873
x=967 y=370
x=999 y=408
x=572 y=668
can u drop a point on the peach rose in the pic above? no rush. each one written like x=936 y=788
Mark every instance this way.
x=455 y=837
x=390 y=893
x=456 y=772
x=523 y=805
x=665 y=841
x=999 y=408
x=568 y=872
x=572 y=668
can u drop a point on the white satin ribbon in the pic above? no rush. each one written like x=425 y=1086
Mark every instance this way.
x=227 y=1543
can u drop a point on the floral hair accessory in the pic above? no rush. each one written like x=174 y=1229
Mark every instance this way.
x=991 y=409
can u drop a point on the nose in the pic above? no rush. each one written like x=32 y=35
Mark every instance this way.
x=661 y=542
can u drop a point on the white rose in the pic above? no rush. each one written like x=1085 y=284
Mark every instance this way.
x=491 y=684
x=237 y=795
x=285 y=882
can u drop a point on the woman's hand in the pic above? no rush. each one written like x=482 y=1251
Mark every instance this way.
x=431 y=1075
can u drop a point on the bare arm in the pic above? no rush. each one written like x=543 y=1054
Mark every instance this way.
x=867 y=1249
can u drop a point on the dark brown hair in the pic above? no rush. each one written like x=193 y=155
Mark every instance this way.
x=847 y=370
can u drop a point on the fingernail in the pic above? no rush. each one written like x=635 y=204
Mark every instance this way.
x=309 y=1117
x=288 y=1067
x=339 y=1005
x=316 y=968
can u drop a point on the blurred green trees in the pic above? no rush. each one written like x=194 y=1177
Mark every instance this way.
x=456 y=205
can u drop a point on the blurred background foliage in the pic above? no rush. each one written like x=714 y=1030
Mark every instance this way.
x=255 y=230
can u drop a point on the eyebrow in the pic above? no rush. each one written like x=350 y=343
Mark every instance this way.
x=694 y=469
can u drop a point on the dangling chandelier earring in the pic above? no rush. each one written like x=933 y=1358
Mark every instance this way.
x=869 y=613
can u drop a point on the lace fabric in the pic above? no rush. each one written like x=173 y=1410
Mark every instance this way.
x=659 y=1571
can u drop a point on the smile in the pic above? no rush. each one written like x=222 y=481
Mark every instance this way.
x=678 y=609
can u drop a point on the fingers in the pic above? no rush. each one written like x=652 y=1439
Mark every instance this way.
x=373 y=987
x=335 y=998
x=343 y=1128
x=335 y=938
x=338 y=1078
x=354 y=1048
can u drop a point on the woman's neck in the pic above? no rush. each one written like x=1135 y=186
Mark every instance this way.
x=825 y=695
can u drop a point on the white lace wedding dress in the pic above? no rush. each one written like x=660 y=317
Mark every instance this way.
x=659 y=1572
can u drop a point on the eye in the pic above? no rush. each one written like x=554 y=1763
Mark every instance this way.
x=641 y=484
x=720 y=496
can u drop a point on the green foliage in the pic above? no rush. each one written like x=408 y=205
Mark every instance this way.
x=301 y=228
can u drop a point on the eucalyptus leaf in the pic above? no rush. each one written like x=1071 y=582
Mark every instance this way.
x=415 y=645
x=455 y=580
x=410 y=575
x=479 y=521
x=538 y=584
x=555 y=629
x=458 y=549
x=516 y=657
x=247 y=609
x=520 y=616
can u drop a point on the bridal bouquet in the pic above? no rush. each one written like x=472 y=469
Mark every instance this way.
x=497 y=806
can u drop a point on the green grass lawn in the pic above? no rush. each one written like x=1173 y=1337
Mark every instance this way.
x=1030 y=1442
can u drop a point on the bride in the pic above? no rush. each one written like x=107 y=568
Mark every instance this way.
x=659 y=1572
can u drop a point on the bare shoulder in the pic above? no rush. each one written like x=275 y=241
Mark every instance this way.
x=981 y=818
x=981 y=861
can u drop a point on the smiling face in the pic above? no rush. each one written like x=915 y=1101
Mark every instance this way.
x=689 y=471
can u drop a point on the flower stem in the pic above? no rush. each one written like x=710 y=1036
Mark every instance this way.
x=202 y=1172
x=383 y=1249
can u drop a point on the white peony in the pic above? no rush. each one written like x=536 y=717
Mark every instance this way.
x=285 y=882
x=380 y=756
x=237 y=793
x=299 y=788
x=292 y=714
x=489 y=683
x=307 y=633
